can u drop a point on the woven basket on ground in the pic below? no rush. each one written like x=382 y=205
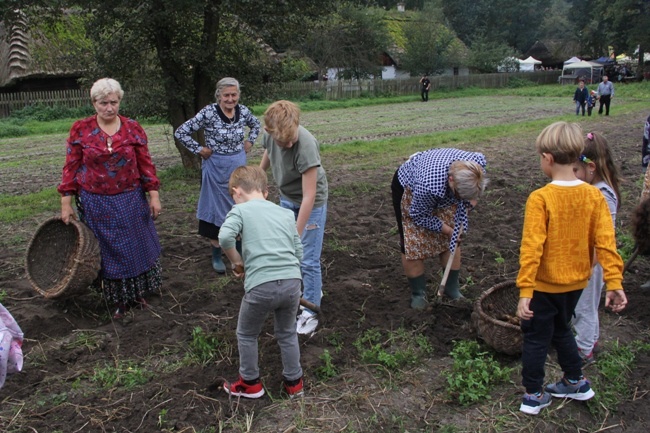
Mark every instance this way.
x=489 y=316
x=62 y=260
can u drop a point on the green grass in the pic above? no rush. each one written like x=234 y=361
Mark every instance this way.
x=126 y=374
x=634 y=93
x=615 y=366
x=16 y=208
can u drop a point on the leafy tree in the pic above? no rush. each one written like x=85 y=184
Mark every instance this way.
x=351 y=39
x=187 y=45
x=487 y=56
x=501 y=21
x=627 y=25
x=431 y=47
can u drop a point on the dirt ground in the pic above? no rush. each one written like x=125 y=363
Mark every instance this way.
x=364 y=288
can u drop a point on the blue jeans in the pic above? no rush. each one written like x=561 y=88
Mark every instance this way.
x=550 y=325
x=312 y=244
x=580 y=105
x=281 y=297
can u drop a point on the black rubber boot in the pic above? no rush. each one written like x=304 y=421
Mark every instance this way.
x=418 y=287
x=452 y=287
x=217 y=262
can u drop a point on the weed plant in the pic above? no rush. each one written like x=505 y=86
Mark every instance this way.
x=124 y=374
x=327 y=370
x=474 y=373
x=203 y=347
x=394 y=351
x=625 y=243
x=615 y=365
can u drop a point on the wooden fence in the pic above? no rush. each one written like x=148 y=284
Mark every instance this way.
x=330 y=90
x=64 y=98
x=341 y=89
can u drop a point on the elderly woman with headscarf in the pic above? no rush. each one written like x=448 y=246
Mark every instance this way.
x=432 y=193
x=108 y=169
x=225 y=149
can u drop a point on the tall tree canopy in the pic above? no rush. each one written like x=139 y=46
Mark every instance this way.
x=186 y=44
x=627 y=25
x=502 y=21
x=351 y=39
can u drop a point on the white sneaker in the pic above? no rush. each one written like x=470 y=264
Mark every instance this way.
x=306 y=323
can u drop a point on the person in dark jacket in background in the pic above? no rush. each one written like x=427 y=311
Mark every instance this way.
x=580 y=97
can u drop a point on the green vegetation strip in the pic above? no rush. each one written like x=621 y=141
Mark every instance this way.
x=16 y=208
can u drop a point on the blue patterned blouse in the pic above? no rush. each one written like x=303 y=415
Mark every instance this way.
x=223 y=135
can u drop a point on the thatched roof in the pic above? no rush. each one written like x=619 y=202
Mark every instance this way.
x=552 y=51
x=25 y=53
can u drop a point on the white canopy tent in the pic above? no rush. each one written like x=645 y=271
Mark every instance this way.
x=528 y=65
x=592 y=71
x=572 y=60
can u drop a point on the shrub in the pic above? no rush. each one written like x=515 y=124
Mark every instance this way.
x=43 y=112
x=11 y=129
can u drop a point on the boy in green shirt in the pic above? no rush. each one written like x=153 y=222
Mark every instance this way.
x=272 y=250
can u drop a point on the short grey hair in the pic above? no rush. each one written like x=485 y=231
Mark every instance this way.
x=469 y=179
x=223 y=83
x=104 y=87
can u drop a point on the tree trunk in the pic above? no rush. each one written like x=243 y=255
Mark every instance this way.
x=174 y=80
x=204 y=84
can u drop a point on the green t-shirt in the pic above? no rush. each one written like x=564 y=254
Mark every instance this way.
x=288 y=165
x=271 y=247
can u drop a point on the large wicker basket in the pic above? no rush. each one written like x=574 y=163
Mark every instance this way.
x=62 y=259
x=497 y=302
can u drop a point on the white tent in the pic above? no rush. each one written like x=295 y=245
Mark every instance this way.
x=572 y=60
x=592 y=71
x=528 y=65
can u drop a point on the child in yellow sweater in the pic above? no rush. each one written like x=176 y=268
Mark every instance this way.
x=564 y=222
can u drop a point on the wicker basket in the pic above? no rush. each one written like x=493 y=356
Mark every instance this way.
x=62 y=259
x=498 y=301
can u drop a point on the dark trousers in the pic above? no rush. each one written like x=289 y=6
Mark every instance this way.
x=397 y=191
x=604 y=100
x=425 y=95
x=550 y=325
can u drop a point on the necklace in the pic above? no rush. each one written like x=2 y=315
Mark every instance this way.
x=109 y=138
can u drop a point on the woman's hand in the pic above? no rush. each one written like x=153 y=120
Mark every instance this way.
x=154 y=204
x=67 y=213
x=205 y=152
x=248 y=146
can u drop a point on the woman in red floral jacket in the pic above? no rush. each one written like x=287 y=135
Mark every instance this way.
x=108 y=170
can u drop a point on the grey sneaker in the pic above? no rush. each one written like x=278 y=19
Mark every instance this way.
x=579 y=391
x=533 y=403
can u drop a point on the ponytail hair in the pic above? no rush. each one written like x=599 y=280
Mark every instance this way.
x=597 y=150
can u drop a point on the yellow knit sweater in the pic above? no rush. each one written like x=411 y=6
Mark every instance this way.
x=562 y=226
